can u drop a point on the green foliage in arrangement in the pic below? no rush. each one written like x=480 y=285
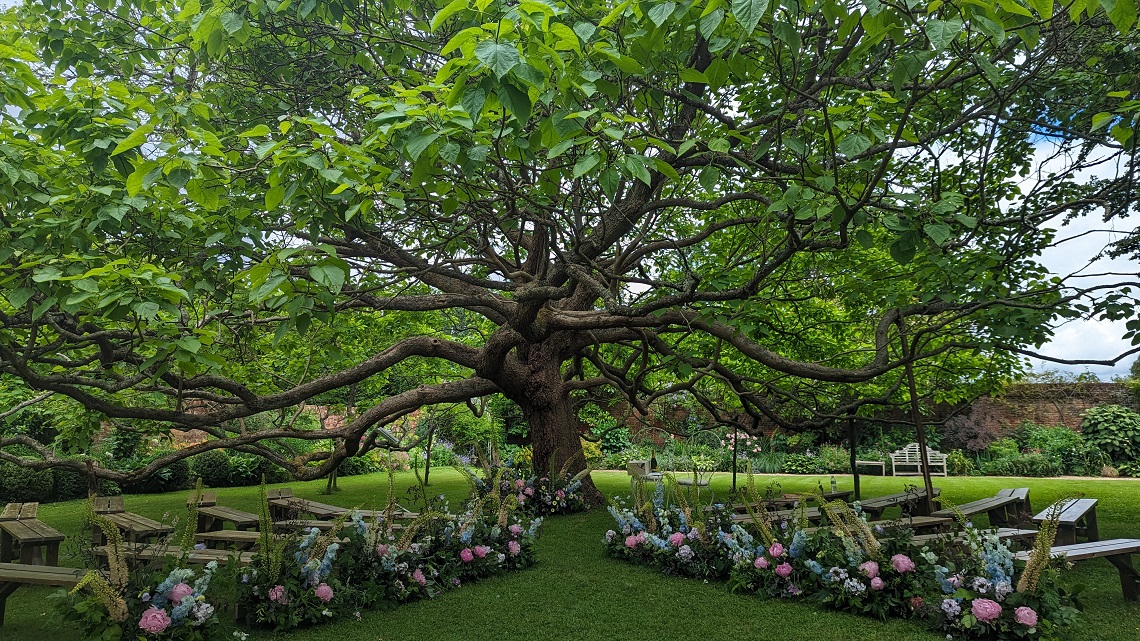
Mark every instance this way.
x=1115 y=430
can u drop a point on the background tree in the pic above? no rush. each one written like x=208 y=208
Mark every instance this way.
x=634 y=195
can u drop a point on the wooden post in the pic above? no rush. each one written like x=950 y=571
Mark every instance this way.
x=427 y=463
x=854 y=468
x=916 y=417
x=735 y=450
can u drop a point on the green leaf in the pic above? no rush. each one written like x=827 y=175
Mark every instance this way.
x=260 y=130
x=613 y=15
x=942 y=32
x=692 y=75
x=636 y=167
x=418 y=142
x=1101 y=119
x=1044 y=8
x=232 y=22
x=902 y=254
x=865 y=239
x=748 y=14
x=1122 y=13
x=135 y=182
x=454 y=7
x=584 y=165
x=660 y=13
x=20 y=296
x=938 y=232
x=329 y=274
x=274 y=196
x=473 y=101
x=500 y=57
x=136 y=138
x=853 y=144
x=517 y=102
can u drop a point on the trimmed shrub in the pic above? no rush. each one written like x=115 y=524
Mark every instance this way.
x=213 y=467
x=22 y=485
x=69 y=485
x=958 y=464
x=834 y=459
x=356 y=465
x=248 y=469
x=801 y=464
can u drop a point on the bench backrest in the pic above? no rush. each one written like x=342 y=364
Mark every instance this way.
x=206 y=499
x=280 y=493
x=910 y=454
x=17 y=511
x=109 y=504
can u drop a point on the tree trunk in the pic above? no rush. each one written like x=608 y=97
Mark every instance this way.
x=555 y=441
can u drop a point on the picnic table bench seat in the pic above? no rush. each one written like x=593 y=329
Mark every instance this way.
x=152 y=551
x=1117 y=551
x=135 y=527
x=214 y=517
x=1003 y=533
x=996 y=507
x=14 y=575
x=916 y=523
x=874 y=507
x=38 y=542
x=1077 y=518
x=283 y=505
x=786 y=500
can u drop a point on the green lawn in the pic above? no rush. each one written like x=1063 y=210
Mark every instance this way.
x=576 y=592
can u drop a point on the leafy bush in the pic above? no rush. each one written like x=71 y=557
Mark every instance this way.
x=618 y=460
x=1023 y=465
x=958 y=464
x=1129 y=469
x=356 y=465
x=1115 y=430
x=248 y=469
x=834 y=459
x=768 y=462
x=1076 y=455
x=69 y=485
x=213 y=467
x=801 y=464
x=175 y=476
x=592 y=450
x=22 y=485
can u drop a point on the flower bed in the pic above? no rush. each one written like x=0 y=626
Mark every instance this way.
x=303 y=579
x=539 y=495
x=967 y=589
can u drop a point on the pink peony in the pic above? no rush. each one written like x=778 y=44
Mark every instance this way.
x=466 y=555
x=784 y=570
x=514 y=548
x=179 y=592
x=529 y=491
x=676 y=539
x=631 y=541
x=520 y=484
x=382 y=549
x=870 y=569
x=559 y=494
x=277 y=594
x=776 y=550
x=985 y=610
x=1025 y=616
x=761 y=563
x=418 y=577
x=877 y=583
x=154 y=621
x=915 y=602
x=481 y=551
x=522 y=498
x=516 y=529
x=902 y=563
x=324 y=592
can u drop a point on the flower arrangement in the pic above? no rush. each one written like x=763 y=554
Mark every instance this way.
x=965 y=586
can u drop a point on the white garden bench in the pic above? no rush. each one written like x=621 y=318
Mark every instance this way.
x=908 y=462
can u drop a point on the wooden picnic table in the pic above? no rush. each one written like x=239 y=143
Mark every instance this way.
x=1003 y=533
x=874 y=507
x=214 y=517
x=14 y=575
x=1077 y=517
x=151 y=551
x=996 y=507
x=788 y=500
x=1117 y=551
x=38 y=542
x=134 y=527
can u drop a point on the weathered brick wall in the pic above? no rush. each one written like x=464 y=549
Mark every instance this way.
x=1046 y=404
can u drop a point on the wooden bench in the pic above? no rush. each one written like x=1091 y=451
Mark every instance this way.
x=214 y=517
x=916 y=523
x=909 y=456
x=995 y=507
x=151 y=552
x=874 y=507
x=134 y=527
x=1077 y=517
x=1002 y=533
x=879 y=464
x=14 y=575
x=241 y=540
x=38 y=542
x=812 y=514
x=1117 y=551
x=784 y=501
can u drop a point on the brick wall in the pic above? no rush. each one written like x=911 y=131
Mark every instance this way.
x=1047 y=404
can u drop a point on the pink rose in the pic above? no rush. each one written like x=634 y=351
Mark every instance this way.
x=516 y=529
x=761 y=563
x=902 y=563
x=529 y=491
x=324 y=592
x=418 y=577
x=676 y=539
x=522 y=498
x=784 y=570
x=877 y=583
x=986 y=611
x=559 y=494
x=520 y=484
x=870 y=569
x=466 y=555
x=1025 y=616
x=776 y=550
x=382 y=550
x=179 y=592
x=154 y=621
x=514 y=548
x=481 y=551
x=631 y=541
x=277 y=594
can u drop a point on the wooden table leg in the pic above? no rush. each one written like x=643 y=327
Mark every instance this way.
x=6 y=589
x=1129 y=579
x=1090 y=525
x=998 y=517
x=28 y=553
x=1066 y=535
x=6 y=545
x=53 y=554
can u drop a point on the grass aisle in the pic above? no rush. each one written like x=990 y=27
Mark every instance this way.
x=576 y=592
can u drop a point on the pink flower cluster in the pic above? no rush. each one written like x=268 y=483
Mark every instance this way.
x=784 y=570
x=761 y=563
x=155 y=621
x=776 y=550
x=324 y=592
x=514 y=548
x=877 y=583
x=985 y=610
x=676 y=539
x=466 y=555
x=902 y=563
x=1025 y=616
x=516 y=530
x=418 y=577
x=870 y=569
x=633 y=540
x=178 y=592
x=277 y=594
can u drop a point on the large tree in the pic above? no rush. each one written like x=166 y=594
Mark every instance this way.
x=655 y=196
